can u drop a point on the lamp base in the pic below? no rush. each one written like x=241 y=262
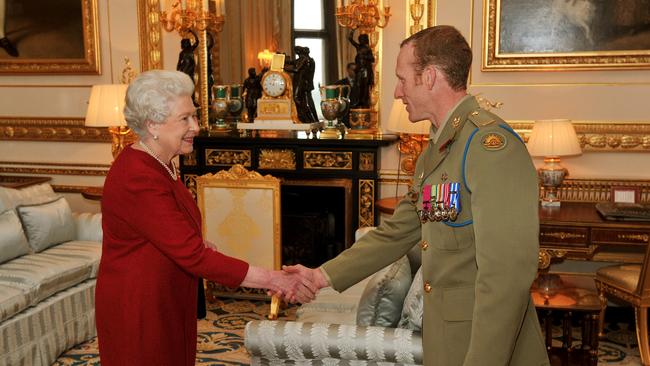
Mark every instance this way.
x=119 y=139
x=551 y=174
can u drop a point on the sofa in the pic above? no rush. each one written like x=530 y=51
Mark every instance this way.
x=49 y=258
x=376 y=321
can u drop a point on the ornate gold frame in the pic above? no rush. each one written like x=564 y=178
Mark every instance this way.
x=493 y=60
x=88 y=65
x=73 y=129
x=238 y=177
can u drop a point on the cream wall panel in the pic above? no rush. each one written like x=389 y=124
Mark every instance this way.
x=23 y=101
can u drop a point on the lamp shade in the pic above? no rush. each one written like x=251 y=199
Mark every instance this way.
x=552 y=138
x=398 y=121
x=106 y=106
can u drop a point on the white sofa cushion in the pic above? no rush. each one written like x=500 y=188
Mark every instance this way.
x=12 y=239
x=47 y=224
x=38 y=193
x=43 y=274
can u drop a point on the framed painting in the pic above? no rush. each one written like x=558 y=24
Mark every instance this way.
x=49 y=37
x=240 y=211
x=566 y=35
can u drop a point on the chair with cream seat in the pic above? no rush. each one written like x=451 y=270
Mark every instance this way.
x=629 y=283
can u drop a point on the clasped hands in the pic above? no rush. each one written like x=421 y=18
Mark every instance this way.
x=297 y=283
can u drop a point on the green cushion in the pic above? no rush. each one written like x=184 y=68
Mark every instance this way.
x=381 y=301
x=47 y=224
x=12 y=239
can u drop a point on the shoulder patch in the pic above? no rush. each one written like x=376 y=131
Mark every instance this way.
x=493 y=141
x=480 y=117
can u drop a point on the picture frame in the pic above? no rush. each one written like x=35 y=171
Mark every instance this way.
x=241 y=213
x=625 y=194
x=52 y=37
x=528 y=35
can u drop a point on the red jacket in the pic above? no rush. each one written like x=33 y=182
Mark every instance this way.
x=152 y=254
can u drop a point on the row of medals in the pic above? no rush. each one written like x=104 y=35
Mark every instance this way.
x=440 y=202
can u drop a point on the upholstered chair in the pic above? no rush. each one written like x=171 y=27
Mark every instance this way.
x=377 y=321
x=629 y=283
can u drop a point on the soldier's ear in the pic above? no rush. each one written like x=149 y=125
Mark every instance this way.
x=429 y=76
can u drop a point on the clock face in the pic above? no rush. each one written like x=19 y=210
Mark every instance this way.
x=274 y=84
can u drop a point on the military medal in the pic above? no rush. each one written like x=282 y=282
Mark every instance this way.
x=423 y=214
x=454 y=200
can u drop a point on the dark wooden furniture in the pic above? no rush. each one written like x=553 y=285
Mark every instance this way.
x=19 y=181
x=575 y=230
x=567 y=297
x=631 y=284
x=93 y=193
x=297 y=160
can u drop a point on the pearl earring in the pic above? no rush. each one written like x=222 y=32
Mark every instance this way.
x=155 y=137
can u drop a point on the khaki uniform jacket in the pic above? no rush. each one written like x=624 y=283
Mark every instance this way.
x=477 y=271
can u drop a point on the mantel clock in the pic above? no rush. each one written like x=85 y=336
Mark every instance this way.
x=277 y=94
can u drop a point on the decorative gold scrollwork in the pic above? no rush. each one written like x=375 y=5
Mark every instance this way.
x=189 y=159
x=367 y=162
x=225 y=157
x=638 y=237
x=340 y=160
x=366 y=202
x=277 y=159
x=190 y=182
x=563 y=235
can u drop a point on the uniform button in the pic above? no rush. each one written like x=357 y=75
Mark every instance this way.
x=427 y=287
x=424 y=245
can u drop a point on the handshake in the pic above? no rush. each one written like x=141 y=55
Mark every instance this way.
x=296 y=283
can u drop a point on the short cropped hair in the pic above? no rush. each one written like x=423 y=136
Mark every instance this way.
x=149 y=94
x=444 y=47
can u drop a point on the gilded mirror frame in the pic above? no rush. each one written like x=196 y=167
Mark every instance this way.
x=87 y=65
x=61 y=129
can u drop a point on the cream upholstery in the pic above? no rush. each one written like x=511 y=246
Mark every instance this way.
x=47 y=298
x=326 y=333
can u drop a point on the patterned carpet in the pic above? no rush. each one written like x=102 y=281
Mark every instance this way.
x=220 y=339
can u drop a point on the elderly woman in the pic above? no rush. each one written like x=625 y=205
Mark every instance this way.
x=153 y=252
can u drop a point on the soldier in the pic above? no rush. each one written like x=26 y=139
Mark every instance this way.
x=472 y=209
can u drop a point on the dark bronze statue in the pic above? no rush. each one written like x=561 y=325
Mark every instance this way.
x=303 y=83
x=364 y=77
x=252 y=90
x=186 y=62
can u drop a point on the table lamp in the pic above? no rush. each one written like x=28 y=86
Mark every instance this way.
x=106 y=109
x=413 y=135
x=552 y=139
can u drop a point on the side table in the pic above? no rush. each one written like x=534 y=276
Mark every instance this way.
x=565 y=295
x=93 y=193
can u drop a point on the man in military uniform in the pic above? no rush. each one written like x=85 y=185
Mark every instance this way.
x=473 y=211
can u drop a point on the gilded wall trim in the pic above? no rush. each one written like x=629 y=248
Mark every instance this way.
x=595 y=190
x=51 y=129
x=609 y=136
x=22 y=167
x=150 y=32
x=63 y=188
x=338 y=160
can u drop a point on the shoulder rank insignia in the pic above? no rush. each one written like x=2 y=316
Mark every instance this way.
x=493 y=141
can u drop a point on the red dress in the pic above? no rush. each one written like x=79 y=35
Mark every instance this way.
x=152 y=255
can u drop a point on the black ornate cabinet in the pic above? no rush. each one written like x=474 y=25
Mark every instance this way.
x=328 y=186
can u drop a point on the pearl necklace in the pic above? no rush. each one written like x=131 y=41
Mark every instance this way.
x=171 y=172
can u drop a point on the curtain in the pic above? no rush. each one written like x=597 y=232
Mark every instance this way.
x=250 y=27
x=344 y=51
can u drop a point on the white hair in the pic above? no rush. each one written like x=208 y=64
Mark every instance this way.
x=149 y=94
